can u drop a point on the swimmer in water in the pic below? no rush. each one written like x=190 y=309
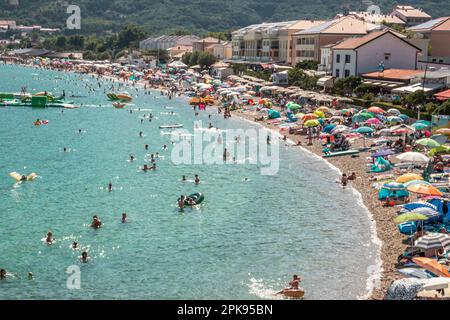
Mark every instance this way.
x=84 y=257
x=49 y=240
x=23 y=178
x=2 y=274
x=181 y=201
x=131 y=158
x=75 y=245
x=140 y=134
x=183 y=178
x=96 y=223
x=146 y=147
x=145 y=168
x=110 y=186
x=124 y=217
x=30 y=275
x=164 y=147
x=197 y=179
x=79 y=130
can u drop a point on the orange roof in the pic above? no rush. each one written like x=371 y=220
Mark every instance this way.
x=394 y=74
x=411 y=12
x=354 y=43
x=444 y=95
x=305 y=24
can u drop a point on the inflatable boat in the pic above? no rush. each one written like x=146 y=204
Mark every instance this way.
x=197 y=197
x=171 y=126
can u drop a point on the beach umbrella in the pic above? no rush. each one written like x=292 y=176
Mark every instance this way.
x=294 y=106
x=429 y=143
x=408 y=177
x=394 y=186
x=433 y=241
x=414 y=205
x=439 y=150
x=419 y=126
x=413 y=157
x=445 y=131
x=320 y=114
x=364 y=130
x=376 y=110
x=425 y=122
x=323 y=109
x=437 y=283
x=383 y=153
x=441 y=138
x=328 y=128
x=337 y=119
x=428 y=190
x=428 y=212
x=394 y=119
x=414 y=182
x=408 y=129
x=404 y=289
x=394 y=112
x=414 y=273
x=311 y=123
x=385 y=132
x=432 y=265
x=404 y=117
x=340 y=129
x=374 y=121
x=309 y=116
x=409 y=216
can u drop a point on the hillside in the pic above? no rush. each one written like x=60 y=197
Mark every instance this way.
x=158 y=16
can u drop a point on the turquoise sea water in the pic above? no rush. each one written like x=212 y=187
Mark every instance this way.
x=245 y=242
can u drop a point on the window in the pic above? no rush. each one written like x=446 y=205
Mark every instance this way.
x=347 y=58
x=346 y=73
x=338 y=58
x=338 y=73
x=387 y=56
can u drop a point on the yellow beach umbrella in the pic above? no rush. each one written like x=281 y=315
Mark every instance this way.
x=320 y=114
x=408 y=177
x=323 y=109
x=311 y=123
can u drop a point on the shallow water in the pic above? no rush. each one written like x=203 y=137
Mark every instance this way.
x=245 y=242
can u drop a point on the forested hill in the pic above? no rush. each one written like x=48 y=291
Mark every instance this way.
x=157 y=16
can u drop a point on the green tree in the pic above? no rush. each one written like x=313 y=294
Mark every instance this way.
x=443 y=109
x=61 y=42
x=194 y=58
x=186 y=58
x=347 y=85
x=307 y=65
x=206 y=59
x=130 y=36
x=416 y=98
x=299 y=78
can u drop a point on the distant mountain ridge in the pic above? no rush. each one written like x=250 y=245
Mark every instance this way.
x=169 y=16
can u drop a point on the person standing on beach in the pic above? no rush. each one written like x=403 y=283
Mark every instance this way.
x=344 y=180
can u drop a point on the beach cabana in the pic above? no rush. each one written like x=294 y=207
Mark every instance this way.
x=380 y=165
x=392 y=190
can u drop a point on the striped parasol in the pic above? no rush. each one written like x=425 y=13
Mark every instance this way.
x=433 y=241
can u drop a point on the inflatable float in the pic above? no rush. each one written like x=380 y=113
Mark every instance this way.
x=123 y=97
x=293 y=293
x=197 y=197
x=119 y=105
x=18 y=177
x=341 y=153
x=171 y=126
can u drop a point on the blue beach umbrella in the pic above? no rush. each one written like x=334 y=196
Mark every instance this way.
x=364 y=130
x=328 y=128
x=425 y=122
x=419 y=126
x=404 y=117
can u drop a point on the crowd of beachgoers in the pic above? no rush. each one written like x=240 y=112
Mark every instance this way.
x=398 y=164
